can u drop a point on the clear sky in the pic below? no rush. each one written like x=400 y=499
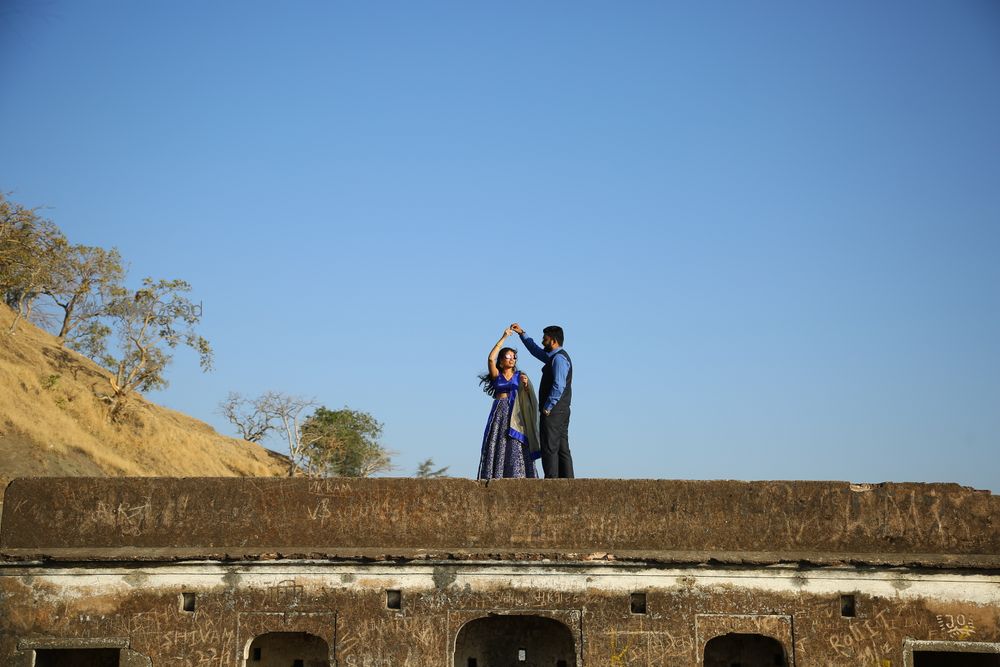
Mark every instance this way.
x=771 y=230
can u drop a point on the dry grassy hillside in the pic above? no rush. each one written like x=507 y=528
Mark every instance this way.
x=51 y=422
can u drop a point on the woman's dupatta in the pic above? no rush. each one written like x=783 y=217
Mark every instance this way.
x=524 y=419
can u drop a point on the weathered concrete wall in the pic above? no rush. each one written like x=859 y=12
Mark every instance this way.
x=673 y=520
x=389 y=572
x=345 y=605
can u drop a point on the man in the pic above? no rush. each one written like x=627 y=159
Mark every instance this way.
x=554 y=394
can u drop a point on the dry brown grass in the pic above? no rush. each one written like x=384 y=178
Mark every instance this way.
x=53 y=423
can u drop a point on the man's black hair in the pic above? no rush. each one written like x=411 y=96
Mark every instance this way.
x=555 y=333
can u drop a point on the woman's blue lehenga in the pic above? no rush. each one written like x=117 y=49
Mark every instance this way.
x=505 y=450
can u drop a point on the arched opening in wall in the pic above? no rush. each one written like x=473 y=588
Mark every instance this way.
x=514 y=641
x=77 y=657
x=288 y=649
x=744 y=650
x=955 y=659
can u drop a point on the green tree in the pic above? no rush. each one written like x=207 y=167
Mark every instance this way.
x=31 y=249
x=147 y=323
x=14 y=221
x=426 y=470
x=343 y=443
x=82 y=283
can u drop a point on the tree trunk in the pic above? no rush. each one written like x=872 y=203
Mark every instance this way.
x=66 y=327
x=21 y=310
x=67 y=323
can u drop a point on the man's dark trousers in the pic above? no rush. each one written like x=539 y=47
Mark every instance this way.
x=554 y=436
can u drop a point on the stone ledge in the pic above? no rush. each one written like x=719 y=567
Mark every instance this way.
x=980 y=563
x=938 y=525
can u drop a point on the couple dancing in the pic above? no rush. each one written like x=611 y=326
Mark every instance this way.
x=516 y=434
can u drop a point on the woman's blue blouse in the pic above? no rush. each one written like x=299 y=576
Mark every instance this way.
x=505 y=386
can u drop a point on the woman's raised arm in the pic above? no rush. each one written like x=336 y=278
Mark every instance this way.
x=491 y=360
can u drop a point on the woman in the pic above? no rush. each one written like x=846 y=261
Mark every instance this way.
x=510 y=443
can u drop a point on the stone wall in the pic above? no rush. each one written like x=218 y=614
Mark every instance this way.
x=150 y=518
x=254 y=573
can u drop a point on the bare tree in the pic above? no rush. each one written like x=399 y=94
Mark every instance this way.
x=377 y=461
x=248 y=416
x=287 y=410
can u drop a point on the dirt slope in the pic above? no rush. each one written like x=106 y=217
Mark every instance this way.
x=52 y=423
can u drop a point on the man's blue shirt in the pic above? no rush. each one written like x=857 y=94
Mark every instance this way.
x=560 y=369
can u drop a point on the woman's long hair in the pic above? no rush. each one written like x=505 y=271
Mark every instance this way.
x=484 y=379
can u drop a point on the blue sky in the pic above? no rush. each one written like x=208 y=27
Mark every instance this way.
x=771 y=230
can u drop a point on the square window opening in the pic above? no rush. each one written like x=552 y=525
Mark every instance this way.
x=394 y=599
x=848 y=606
x=98 y=657
x=955 y=659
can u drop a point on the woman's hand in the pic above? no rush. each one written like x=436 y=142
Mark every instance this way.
x=507 y=332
